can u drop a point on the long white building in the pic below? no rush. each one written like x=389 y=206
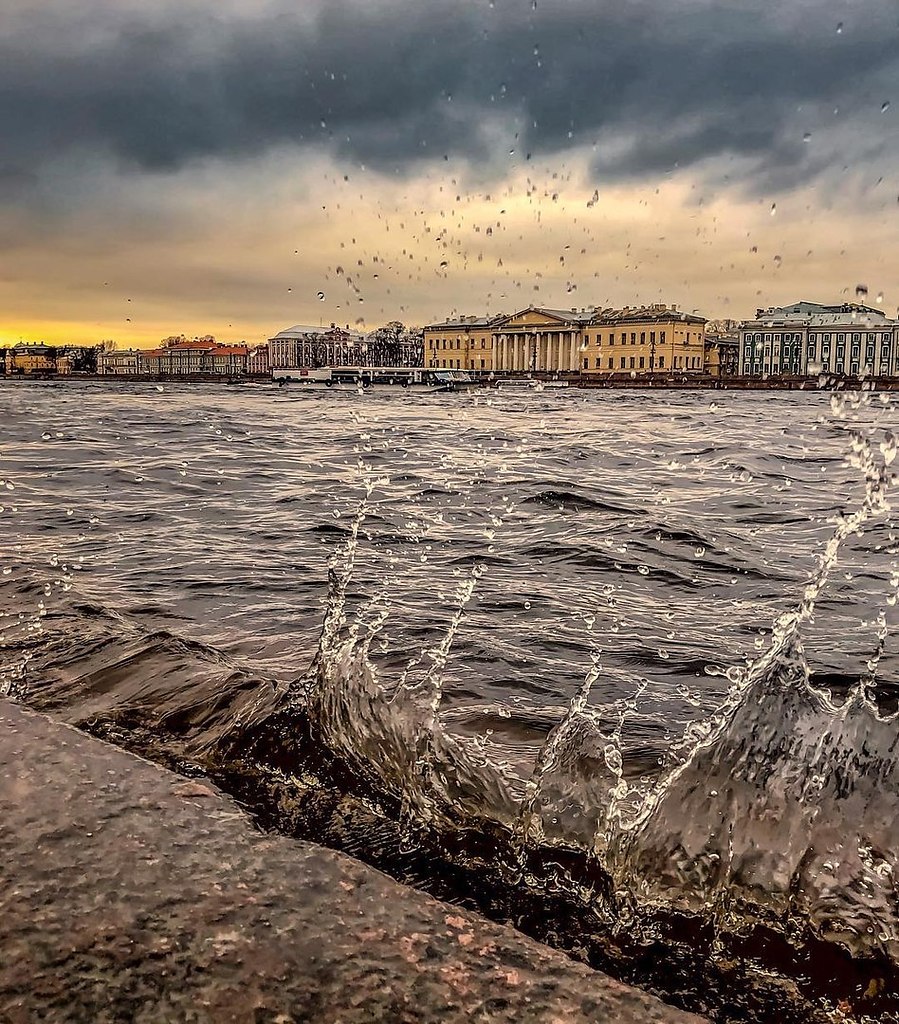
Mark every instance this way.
x=315 y=347
x=808 y=338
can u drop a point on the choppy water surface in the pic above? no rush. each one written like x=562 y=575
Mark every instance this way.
x=566 y=641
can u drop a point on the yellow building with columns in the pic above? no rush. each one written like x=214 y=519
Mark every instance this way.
x=541 y=340
x=632 y=341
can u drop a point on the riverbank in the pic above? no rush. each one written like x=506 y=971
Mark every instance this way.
x=132 y=893
x=681 y=382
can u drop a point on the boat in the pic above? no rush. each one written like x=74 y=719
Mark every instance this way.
x=365 y=377
x=530 y=384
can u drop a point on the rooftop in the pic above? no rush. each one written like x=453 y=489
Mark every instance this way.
x=302 y=331
x=656 y=313
x=815 y=314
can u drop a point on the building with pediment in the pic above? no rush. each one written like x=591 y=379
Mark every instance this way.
x=631 y=341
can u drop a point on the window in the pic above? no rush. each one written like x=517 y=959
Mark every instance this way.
x=623 y=339
x=586 y=364
x=642 y=337
x=642 y=362
x=652 y=337
x=632 y=363
x=611 y=363
x=598 y=362
x=661 y=362
x=611 y=339
x=622 y=362
x=633 y=337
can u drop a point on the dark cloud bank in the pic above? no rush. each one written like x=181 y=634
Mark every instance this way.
x=655 y=84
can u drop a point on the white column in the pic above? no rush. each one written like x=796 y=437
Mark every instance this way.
x=575 y=352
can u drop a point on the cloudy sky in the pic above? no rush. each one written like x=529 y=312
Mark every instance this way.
x=237 y=166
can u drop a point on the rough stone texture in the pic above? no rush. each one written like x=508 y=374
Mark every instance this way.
x=128 y=893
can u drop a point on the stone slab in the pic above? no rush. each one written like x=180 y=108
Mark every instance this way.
x=129 y=893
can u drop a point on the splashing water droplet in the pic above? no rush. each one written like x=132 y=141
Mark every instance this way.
x=643 y=570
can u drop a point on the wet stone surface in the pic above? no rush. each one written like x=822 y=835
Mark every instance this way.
x=128 y=893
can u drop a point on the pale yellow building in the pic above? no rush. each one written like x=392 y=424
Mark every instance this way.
x=632 y=341
x=125 y=362
x=463 y=344
x=648 y=339
x=540 y=339
x=30 y=359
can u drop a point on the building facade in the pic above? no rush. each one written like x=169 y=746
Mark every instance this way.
x=808 y=338
x=632 y=341
x=188 y=358
x=541 y=340
x=722 y=355
x=317 y=347
x=258 y=360
x=128 y=362
x=29 y=358
x=463 y=344
x=644 y=340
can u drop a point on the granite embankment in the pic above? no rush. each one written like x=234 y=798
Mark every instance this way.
x=128 y=893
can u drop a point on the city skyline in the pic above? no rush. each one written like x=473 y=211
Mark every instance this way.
x=205 y=169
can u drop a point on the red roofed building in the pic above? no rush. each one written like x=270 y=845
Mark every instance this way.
x=182 y=358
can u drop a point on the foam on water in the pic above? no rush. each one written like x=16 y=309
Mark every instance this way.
x=780 y=810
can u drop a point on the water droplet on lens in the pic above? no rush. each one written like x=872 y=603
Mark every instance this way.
x=643 y=570
x=885 y=106
x=773 y=209
x=321 y=296
x=839 y=28
x=861 y=291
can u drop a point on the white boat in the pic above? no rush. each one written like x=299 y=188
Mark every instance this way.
x=529 y=384
x=365 y=377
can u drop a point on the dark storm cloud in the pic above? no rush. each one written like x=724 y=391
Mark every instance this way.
x=653 y=84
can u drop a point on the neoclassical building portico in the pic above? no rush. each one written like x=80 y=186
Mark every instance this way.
x=538 y=339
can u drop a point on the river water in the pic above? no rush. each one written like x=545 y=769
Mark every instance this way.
x=578 y=618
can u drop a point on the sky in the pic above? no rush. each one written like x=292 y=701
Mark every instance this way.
x=239 y=166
